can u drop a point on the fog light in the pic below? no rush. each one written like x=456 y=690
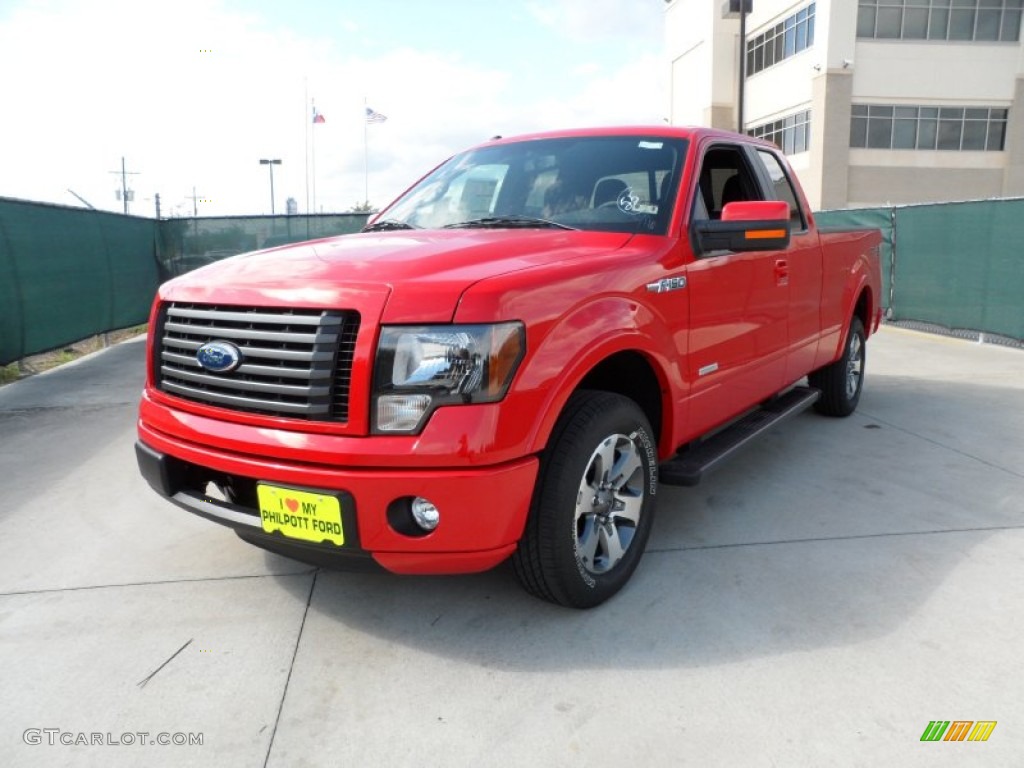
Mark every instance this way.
x=425 y=514
x=401 y=413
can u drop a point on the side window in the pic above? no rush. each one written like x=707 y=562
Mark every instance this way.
x=724 y=178
x=783 y=188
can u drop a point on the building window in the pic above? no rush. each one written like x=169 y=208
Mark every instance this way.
x=791 y=134
x=980 y=20
x=968 y=129
x=785 y=39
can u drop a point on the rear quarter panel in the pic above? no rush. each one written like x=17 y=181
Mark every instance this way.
x=850 y=269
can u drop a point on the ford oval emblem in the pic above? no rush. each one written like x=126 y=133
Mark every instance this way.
x=219 y=356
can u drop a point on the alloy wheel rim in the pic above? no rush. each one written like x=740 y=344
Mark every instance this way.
x=609 y=503
x=854 y=366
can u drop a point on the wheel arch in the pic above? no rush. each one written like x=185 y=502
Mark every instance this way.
x=859 y=302
x=627 y=371
x=865 y=309
x=630 y=374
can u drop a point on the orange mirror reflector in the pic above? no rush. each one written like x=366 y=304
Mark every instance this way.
x=765 y=234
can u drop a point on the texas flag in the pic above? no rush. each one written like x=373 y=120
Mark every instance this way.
x=317 y=117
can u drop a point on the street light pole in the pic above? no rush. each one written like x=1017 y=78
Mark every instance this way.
x=744 y=5
x=733 y=9
x=270 y=164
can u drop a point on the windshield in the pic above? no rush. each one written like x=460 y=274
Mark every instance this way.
x=605 y=183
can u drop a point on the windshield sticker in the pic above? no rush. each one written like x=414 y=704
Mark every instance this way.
x=630 y=203
x=651 y=144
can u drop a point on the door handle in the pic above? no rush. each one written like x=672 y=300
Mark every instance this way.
x=781 y=272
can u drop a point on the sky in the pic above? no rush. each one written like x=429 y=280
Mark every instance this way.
x=192 y=94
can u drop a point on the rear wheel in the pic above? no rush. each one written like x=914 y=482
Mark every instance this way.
x=593 y=506
x=842 y=381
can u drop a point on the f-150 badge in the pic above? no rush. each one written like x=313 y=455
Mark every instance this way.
x=667 y=284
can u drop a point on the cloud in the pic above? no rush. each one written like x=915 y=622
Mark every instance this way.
x=610 y=20
x=206 y=90
x=200 y=103
x=193 y=95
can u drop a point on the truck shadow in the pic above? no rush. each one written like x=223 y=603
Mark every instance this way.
x=826 y=533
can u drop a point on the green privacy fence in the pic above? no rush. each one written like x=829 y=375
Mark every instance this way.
x=961 y=266
x=955 y=265
x=189 y=243
x=68 y=273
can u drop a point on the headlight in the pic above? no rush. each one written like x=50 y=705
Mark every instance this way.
x=419 y=368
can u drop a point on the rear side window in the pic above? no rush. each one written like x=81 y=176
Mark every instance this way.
x=783 y=187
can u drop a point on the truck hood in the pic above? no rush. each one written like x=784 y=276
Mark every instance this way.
x=396 y=277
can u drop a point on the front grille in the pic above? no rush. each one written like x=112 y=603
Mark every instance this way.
x=295 y=362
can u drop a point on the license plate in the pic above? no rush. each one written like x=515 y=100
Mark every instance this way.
x=300 y=514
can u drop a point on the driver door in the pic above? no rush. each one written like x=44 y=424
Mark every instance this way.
x=739 y=304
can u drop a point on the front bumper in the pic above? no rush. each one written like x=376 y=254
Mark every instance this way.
x=483 y=509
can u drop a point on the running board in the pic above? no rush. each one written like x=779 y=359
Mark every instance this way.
x=688 y=467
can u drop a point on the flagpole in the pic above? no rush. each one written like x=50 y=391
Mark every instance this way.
x=313 y=154
x=366 y=156
x=306 y=122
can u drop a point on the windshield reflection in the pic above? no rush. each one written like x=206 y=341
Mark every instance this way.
x=601 y=183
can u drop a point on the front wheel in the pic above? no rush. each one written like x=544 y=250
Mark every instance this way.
x=593 y=506
x=842 y=381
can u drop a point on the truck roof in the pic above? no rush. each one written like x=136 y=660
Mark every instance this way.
x=691 y=132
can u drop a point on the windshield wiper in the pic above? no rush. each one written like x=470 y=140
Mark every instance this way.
x=507 y=222
x=387 y=224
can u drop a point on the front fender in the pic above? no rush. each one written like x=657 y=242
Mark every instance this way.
x=580 y=341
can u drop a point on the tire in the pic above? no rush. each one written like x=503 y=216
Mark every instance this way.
x=587 y=528
x=842 y=382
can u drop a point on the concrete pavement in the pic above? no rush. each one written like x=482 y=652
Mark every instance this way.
x=818 y=601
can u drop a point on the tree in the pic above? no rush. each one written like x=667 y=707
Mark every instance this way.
x=364 y=207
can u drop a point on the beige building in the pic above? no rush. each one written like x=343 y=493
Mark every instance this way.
x=874 y=101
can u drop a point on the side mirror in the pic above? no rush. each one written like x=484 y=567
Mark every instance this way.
x=756 y=225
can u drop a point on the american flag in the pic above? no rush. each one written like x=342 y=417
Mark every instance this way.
x=374 y=117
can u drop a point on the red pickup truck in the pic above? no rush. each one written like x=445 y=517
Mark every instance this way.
x=510 y=358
